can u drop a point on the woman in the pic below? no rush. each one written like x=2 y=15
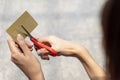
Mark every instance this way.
x=23 y=58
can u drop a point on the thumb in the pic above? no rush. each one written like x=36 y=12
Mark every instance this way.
x=22 y=44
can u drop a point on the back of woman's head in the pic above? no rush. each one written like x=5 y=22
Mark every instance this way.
x=111 y=37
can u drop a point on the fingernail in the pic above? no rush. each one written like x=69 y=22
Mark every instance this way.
x=31 y=49
x=20 y=37
x=38 y=52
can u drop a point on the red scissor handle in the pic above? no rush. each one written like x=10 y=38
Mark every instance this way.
x=41 y=45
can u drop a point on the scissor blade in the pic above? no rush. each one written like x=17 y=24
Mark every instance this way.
x=26 y=31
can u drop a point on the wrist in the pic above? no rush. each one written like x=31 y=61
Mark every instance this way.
x=82 y=54
x=80 y=51
x=37 y=76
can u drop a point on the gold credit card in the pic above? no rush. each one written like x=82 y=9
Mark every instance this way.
x=27 y=21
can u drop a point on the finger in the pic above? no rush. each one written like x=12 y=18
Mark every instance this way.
x=36 y=48
x=16 y=45
x=43 y=42
x=43 y=54
x=22 y=44
x=45 y=57
x=45 y=39
x=47 y=43
x=12 y=46
x=31 y=49
x=16 y=54
x=42 y=51
x=28 y=44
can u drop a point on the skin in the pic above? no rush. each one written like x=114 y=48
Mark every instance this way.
x=67 y=48
x=24 y=59
x=63 y=47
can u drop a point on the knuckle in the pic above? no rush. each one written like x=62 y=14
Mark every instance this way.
x=51 y=37
x=21 y=43
x=14 y=56
x=14 y=52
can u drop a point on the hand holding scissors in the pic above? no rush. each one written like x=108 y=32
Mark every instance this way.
x=39 y=44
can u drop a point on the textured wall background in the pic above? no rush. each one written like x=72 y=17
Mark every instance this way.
x=75 y=20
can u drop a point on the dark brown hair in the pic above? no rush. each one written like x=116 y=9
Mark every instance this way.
x=111 y=37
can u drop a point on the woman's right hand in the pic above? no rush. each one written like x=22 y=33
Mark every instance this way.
x=62 y=47
x=68 y=48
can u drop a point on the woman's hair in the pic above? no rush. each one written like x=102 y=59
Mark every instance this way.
x=111 y=37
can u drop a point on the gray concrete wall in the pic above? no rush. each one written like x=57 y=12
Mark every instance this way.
x=75 y=20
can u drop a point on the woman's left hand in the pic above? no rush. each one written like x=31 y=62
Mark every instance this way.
x=24 y=59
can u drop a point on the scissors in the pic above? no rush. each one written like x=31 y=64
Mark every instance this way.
x=39 y=44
